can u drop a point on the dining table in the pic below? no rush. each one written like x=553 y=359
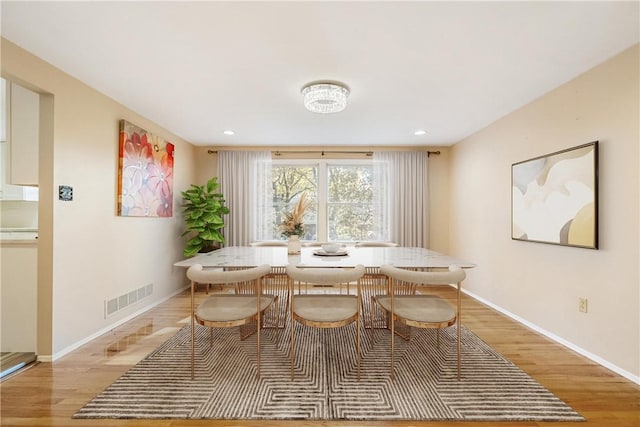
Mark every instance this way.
x=314 y=257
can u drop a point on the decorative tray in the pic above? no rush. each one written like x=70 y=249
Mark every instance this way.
x=322 y=252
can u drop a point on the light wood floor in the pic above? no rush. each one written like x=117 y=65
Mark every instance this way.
x=50 y=393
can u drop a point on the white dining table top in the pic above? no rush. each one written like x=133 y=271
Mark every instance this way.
x=251 y=256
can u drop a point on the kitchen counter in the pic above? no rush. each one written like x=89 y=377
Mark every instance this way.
x=18 y=243
x=19 y=229
x=18 y=236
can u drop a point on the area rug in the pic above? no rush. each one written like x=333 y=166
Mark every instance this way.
x=326 y=385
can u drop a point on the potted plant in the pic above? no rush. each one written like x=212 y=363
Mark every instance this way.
x=203 y=210
x=292 y=226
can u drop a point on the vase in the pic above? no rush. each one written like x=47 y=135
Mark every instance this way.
x=293 y=245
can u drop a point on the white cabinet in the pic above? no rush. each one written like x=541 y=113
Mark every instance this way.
x=24 y=135
x=4 y=105
x=10 y=191
x=18 y=306
x=19 y=142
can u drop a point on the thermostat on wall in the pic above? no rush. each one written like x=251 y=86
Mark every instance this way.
x=65 y=193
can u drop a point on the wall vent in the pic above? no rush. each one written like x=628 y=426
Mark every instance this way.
x=112 y=306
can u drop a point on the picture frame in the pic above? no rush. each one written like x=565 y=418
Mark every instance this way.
x=554 y=198
x=145 y=173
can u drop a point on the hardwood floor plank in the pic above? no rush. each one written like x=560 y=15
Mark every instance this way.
x=50 y=393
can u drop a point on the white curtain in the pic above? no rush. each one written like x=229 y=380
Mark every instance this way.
x=401 y=198
x=245 y=181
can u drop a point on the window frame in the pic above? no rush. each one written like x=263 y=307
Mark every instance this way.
x=322 y=231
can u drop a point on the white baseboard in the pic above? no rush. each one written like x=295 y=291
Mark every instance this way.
x=559 y=340
x=74 y=346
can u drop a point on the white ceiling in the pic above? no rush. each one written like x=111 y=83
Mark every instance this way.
x=199 y=68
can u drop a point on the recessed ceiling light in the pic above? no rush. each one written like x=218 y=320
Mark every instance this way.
x=229 y=132
x=420 y=132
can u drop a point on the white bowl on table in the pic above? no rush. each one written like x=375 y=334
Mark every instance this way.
x=331 y=248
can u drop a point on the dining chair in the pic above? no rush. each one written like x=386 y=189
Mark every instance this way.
x=223 y=310
x=324 y=310
x=417 y=309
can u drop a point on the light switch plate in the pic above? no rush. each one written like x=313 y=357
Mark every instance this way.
x=65 y=193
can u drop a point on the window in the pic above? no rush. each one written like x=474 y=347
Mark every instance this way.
x=289 y=182
x=341 y=193
x=349 y=202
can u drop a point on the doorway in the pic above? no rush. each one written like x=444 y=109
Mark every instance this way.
x=19 y=139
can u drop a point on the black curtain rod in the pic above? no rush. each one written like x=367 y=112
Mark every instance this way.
x=323 y=152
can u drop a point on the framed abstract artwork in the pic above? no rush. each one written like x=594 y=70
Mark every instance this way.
x=555 y=198
x=145 y=173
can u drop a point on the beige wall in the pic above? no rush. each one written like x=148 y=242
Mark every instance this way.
x=88 y=254
x=438 y=179
x=541 y=283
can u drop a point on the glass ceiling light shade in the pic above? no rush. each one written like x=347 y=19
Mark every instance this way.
x=325 y=97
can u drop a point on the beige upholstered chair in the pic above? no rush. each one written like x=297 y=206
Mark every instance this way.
x=324 y=310
x=244 y=307
x=376 y=244
x=405 y=306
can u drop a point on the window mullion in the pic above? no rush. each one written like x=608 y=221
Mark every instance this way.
x=322 y=202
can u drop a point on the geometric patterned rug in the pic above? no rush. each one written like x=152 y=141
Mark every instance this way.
x=325 y=385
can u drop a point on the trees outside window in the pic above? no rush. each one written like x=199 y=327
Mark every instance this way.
x=350 y=202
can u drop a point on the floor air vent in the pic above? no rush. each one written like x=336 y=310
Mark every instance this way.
x=114 y=305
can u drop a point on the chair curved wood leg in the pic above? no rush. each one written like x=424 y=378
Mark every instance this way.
x=258 y=291
x=193 y=322
x=459 y=345
x=258 y=341
x=293 y=325
x=393 y=341
x=277 y=309
x=372 y=309
x=358 y=344
x=459 y=324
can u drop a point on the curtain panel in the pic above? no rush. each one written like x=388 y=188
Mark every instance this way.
x=401 y=198
x=245 y=182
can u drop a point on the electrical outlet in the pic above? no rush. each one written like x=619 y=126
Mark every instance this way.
x=582 y=304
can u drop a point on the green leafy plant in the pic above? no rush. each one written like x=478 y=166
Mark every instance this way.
x=203 y=210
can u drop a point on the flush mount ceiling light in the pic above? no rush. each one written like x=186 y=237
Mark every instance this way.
x=325 y=97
